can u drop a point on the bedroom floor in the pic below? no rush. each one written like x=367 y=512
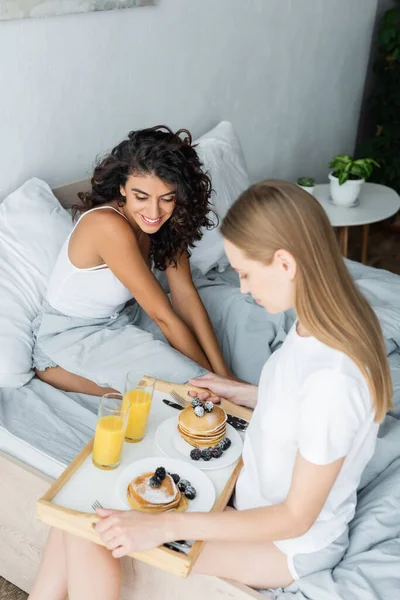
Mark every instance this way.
x=383 y=247
x=384 y=253
x=10 y=592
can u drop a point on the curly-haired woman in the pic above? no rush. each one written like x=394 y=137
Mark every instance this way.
x=148 y=203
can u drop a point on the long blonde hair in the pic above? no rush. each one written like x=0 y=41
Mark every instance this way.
x=273 y=215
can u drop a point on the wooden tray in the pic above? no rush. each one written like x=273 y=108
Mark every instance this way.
x=81 y=523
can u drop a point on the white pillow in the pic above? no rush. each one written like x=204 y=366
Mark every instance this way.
x=33 y=227
x=220 y=152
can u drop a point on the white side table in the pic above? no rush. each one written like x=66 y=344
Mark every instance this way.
x=376 y=203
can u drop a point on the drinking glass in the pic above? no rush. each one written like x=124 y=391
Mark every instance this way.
x=110 y=431
x=139 y=396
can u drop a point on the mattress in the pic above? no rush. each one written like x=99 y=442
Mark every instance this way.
x=29 y=455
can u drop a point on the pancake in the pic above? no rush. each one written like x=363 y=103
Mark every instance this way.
x=142 y=496
x=209 y=423
x=202 y=432
x=202 y=444
x=180 y=507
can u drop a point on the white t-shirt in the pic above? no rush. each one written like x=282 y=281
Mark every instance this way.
x=311 y=399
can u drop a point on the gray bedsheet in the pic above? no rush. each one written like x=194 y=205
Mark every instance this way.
x=60 y=424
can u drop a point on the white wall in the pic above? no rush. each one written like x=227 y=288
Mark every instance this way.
x=288 y=73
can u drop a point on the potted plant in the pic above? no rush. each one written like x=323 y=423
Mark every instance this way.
x=347 y=178
x=306 y=183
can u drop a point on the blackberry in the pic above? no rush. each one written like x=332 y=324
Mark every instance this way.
x=160 y=473
x=224 y=445
x=155 y=482
x=195 y=454
x=208 y=406
x=196 y=402
x=206 y=454
x=183 y=484
x=190 y=492
x=199 y=411
x=216 y=452
x=175 y=477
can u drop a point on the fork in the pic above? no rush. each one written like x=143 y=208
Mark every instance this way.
x=236 y=422
x=96 y=504
x=178 y=399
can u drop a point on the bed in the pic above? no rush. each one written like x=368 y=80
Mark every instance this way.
x=42 y=429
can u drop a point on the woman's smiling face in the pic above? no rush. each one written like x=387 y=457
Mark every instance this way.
x=150 y=201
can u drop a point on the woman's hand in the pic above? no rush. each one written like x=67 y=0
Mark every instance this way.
x=127 y=531
x=243 y=394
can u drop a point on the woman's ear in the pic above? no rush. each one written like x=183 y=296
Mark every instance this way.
x=122 y=191
x=286 y=261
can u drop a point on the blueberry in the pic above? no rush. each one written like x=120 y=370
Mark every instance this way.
x=206 y=454
x=155 y=482
x=190 y=493
x=160 y=473
x=208 y=406
x=196 y=402
x=224 y=445
x=216 y=452
x=175 y=477
x=199 y=411
x=183 y=484
x=195 y=454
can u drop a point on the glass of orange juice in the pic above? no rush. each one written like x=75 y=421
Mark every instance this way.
x=110 y=431
x=139 y=397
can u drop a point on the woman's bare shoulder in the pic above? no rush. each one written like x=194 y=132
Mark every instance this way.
x=106 y=220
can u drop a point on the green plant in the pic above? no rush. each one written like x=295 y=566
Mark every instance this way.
x=306 y=181
x=382 y=141
x=345 y=167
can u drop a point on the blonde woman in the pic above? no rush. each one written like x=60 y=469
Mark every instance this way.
x=317 y=408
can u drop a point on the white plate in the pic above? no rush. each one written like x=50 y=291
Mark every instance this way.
x=170 y=443
x=204 y=487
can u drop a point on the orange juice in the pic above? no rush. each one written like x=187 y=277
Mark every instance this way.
x=140 y=402
x=108 y=442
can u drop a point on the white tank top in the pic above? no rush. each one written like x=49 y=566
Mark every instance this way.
x=88 y=293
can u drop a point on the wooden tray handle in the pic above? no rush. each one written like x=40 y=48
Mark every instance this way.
x=73 y=521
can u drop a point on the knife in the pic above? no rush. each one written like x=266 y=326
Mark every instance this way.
x=172 y=404
x=236 y=422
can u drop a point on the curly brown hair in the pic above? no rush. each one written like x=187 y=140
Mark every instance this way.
x=161 y=152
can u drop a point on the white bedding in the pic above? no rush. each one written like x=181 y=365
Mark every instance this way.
x=29 y=455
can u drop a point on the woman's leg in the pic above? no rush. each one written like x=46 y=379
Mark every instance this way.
x=69 y=382
x=259 y=565
x=93 y=573
x=51 y=581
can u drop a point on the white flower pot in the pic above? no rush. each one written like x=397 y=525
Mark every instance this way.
x=345 y=195
x=309 y=189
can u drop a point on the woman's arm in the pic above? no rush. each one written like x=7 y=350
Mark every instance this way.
x=243 y=394
x=118 y=248
x=130 y=531
x=187 y=303
x=291 y=518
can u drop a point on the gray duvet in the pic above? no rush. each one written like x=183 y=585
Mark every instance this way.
x=60 y=424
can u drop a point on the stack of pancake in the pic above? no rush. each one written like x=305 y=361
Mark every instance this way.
x=142 y=496
x=202 y=432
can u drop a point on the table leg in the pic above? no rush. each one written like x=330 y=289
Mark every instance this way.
x=364 y=248
x=344 y=240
